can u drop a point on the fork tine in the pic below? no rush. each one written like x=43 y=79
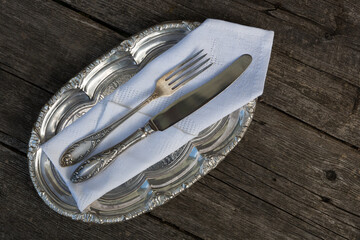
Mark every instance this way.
x=180 y=84
x=173 y=71
x=176 y=76
x=189 y=72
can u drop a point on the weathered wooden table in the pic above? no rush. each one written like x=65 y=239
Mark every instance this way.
x=295 y=175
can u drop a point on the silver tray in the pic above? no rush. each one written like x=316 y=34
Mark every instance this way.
x=157 y=184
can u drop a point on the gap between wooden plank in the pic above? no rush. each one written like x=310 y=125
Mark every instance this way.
x=300 y=218
x=254 y=196
x=13 y=149
x=312 y=192
x=313 y=127
x=173 y=226
x=280 y=7
x=95 y=19
x=13 y=143
x=23 y=79
x=316 y=69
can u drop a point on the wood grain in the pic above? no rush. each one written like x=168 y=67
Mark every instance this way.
x=295 y=175
x=47 y=44
x=20 y=105
x=314 y=97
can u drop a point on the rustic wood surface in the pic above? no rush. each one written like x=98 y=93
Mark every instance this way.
x=296 y=173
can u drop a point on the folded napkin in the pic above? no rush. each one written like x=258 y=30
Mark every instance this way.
x=223 y=42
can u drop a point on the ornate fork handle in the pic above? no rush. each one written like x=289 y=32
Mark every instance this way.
x=99 y=162
x=82 y=148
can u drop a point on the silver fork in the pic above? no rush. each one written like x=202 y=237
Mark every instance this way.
x=166 y=85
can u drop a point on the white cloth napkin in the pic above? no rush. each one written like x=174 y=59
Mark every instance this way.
x=223 y=42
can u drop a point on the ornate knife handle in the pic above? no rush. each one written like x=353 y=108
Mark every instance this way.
x=99 y=162
x=82 y=148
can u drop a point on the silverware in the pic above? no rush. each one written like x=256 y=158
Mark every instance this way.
x=171 y=115
x=166 y=85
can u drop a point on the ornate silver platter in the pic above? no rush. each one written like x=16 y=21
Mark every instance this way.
x=160 y=182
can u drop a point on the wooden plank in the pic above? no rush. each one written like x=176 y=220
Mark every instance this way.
x=47 y=44
x=13 y=143
x=314 y=97
x=308 y=66
x=315 y=194
x=25 y=216
x=284 y=177
x=20 y=106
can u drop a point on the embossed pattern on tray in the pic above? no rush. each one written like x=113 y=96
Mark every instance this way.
x=160 y=182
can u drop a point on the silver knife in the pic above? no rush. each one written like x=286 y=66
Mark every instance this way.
x=178 y=110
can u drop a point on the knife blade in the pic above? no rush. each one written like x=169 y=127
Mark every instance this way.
x=178 y=110
x=192 y=101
